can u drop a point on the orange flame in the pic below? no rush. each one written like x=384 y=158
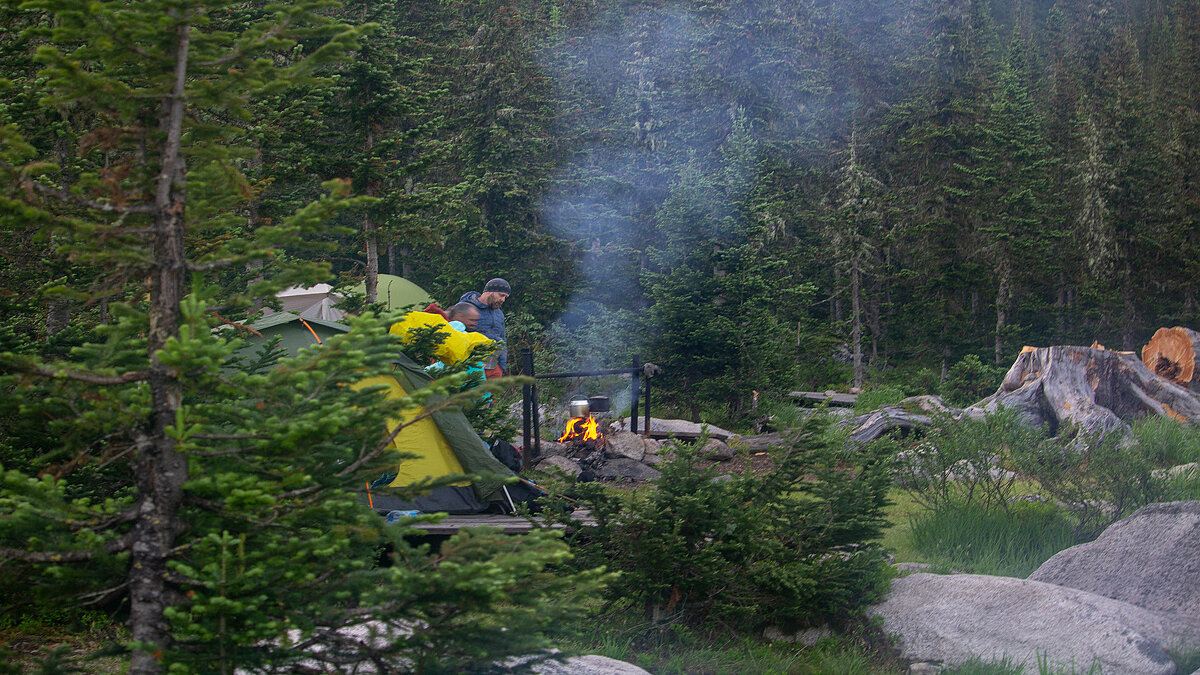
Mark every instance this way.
x=581 y=429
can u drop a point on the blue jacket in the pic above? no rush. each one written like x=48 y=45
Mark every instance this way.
x=491 y=324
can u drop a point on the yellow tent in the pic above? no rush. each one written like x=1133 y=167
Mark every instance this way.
x=431 y=455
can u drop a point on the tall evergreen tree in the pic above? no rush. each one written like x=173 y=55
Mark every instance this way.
x=713 y=334
x=1010 y=172
x=854 y=230
x=237 y=538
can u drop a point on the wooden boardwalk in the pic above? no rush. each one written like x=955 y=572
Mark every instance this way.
x=507 y=524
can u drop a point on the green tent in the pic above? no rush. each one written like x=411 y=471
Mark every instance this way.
x=396 y=292
x=447 y=445
x=294 y=331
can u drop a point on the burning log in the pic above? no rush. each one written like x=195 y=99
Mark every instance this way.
x=581 y=430
x=585 y=443
x=1172 y=353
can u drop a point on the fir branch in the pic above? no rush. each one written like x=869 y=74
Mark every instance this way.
x=211 y=265
x=108 y=30
x=227 y=437
x=45 y=556
x=65 y=196
x=113 y=546
x=78 y=376
x=242 y=50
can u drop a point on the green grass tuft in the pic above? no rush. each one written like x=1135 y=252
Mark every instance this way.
x=968 y=539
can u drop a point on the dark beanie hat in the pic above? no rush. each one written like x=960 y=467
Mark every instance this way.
x=497 y=285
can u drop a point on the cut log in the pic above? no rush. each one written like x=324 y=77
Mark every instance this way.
x=1174 y=353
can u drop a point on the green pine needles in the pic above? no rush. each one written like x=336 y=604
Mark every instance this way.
x=781 y=548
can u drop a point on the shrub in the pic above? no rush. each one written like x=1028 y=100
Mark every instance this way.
x=1167 y=442
x=785 y=547
x=970 y=380
x=963 y=463
x=1099 y=479
x=876 y=397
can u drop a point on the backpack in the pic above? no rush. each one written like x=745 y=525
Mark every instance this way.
x=508 y=455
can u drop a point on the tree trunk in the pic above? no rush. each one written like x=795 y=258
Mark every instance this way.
x=1174 y=353
x=372 y=279
x=1002 y=299
x=371 y=282
x=58 y=316
x=161 y=470
x=856 y=326
x=405 y=262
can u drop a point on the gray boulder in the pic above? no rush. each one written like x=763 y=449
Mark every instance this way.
x=809 y=637
x=624 y=444
x=680 y=427
x=717 y=450
x=591 y=664
x=556 y=462
x=654 y=452
x=553 y=449
x=551 y=662
x=1150 y=559
x=954 y=618
x=623 y=467
x=759 y=442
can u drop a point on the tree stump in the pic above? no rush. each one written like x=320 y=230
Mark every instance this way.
x=1095 y=389
x=1172 y=353
x=1092 y=388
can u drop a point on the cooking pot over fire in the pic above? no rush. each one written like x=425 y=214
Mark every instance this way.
x=581 y=406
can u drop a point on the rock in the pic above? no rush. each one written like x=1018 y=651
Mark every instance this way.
x=1150 y=559
x=574 y=665
x=1189 y=471
x=623 y=467
x=924 y=668
x=717 y=450
x=911 y=567
x=951 y=619
x=683 y=427
x=653 y=455
x=553 y=449
x=809 y=637
x=759 y=442
x=591 y=664
x=558 y=463
x=624 y=444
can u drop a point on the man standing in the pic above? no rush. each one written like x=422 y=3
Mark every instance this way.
x=491 y=318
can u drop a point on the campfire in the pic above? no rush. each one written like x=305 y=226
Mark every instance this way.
x=582 y=430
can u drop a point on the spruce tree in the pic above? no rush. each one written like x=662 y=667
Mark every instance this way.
x=854 y=232
x=1010 y=171
x=235 y=538
x=715 y=285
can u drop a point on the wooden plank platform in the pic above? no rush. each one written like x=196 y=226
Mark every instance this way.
x=507 y=524
x=833 y=397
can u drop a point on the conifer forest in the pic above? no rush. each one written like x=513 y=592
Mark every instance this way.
x=758 y=196
x=751 y=194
